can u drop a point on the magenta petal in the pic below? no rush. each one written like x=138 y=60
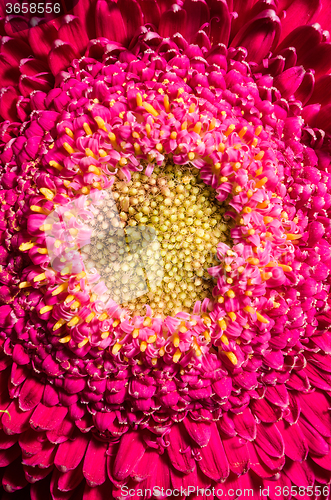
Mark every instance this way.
x=8 y=100
x=298 y=12
x=299 y=473
x=109 y=22
x=9 y=74
x=31 y=442
x=72 y=32
x=14 y=49
x=315 y=407
x=132 y=17
x=263 y=411
x=62 y=432
x=212 y=459
x=146 y=465
x=295 y=443
x=94 y=468
x=270 y=439
x=172 y=21
x=18 y=421
x=41 y=38
x=318 y=59
x=220 y=22
x=30 y=394
x=305 y=90
x=302 y=39
x=289 y=81
x=9 y=455
x=131 y=449
x=70 y=453
x=46 y=418
x=258 y=465
x=68 y=481
x=317 y=445
x=61 y=56
x=200 y=432
x=258 y=35
x=237 y=454
x=85 y=11
x=151 y=11
x=197 y=15
x=245 y=424
x=179 y=449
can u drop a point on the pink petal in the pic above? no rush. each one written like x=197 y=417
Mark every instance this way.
x=72 y=32
x=315 y=407
x=131 y=449
x=269 y=439
x=70 y=453
x=302 y=39
x=9 y=74
x=8 y=101
x=245 y=424
x=299 y=473
x=31 y=394
x=220 y=22
x=8 y=456
x=172 y=21
x=259 y=35
x=200 y=432
x=179 y=450
x=99 y=493
x=62 y=432
x=237 y=454
x=197 y=14
x=289 y=81
x=277 y=395
x=18 y=421
x=31 y=442
x=132 y=17
x=213 y=463
x=295 y=443
x=68 y=481
x=47 y=418
x=41 y=38
x=272 y=463
x=262 y=410
x=298 y=12
x=94 y=468
x=109 y=22
x=85 y=11
x=318 y=59
x=61 y=55
x=14 y=478
x=151 y=12
x=180 y=480
x=316 y=443
x=44 y=458
x=256 y=464
x=146 y=465
x=14 y=49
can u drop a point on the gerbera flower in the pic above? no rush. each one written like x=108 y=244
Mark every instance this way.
x=165 y=250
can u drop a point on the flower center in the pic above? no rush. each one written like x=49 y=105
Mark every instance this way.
x=154 y=239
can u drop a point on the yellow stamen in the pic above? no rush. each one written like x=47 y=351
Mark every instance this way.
x=61 y=288
x=42 y=251
x=83 y=342
x=73 y=321
x=69 y=298
x=249 y=309
x=261 y=318
x=253 y=261
x=100 y=123
x=81 y=275
x=151 y=339
x=135 y=333
x=232 y=315
x=191 y=109
x=166 y=103
x=94 y=170
x=149 y=108
x=154 y=361
x=39 y=210
x=197 y=127
x=229 y=130
x=39 y=277
x=176 y=356
x=162 y=351
x=105 y=335
x=207 y=335
x=112 y=137
x=223 y=179
x=258 y=171
x=184 y=125
x=173 y=135
x=212 y=124
x=176 y=340
x=148 y=129
x=116 y=348
x=24 y=284
x=90 y=317
x=258 y=130
x=87 y=129
x=259 y=155
x=45 y=227
x=159 y=147
x=103 y=316
x=248 y=293
x=137 y=148
x=264 y=204
x=139 y=100
x=221 y=147
x=26 y=246
x=267 y=219
x=143 y=346
x=231 y=294
x=191 y=156
x=242 y=132
x=58 y=325
x=75 y=305
x=68 y=148
x=232 y=357
x=224 y=338
x=236 y=166
x=247 y=210
x=56 y=165
x=293 y=236
x=266 y=276
x=102 y=153
x=66 y=339
x=115 y=323
x=254 y=142
x=261 y=182
x=89 y=152
x=69 y=132
x=147 y=321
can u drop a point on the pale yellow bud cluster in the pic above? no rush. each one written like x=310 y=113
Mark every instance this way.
x=154 y=239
